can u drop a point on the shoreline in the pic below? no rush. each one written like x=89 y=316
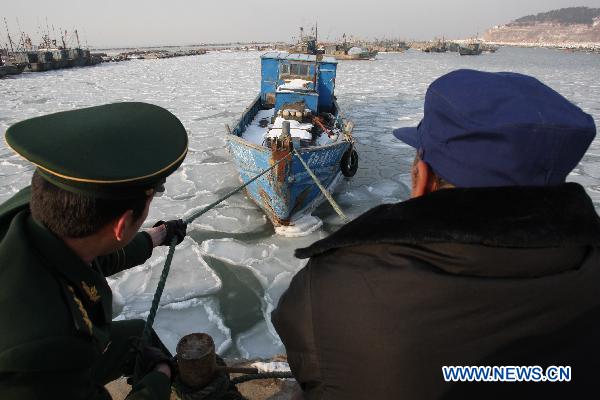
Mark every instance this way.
x=593 y=47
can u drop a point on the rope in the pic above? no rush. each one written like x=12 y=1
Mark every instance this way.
x=222 y=387
x=327 y=195
x=165 y=272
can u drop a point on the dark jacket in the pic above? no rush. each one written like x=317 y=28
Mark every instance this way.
x=56 y=312
x=487 y=276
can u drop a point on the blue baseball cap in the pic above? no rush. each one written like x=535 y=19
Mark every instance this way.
x=499 y=129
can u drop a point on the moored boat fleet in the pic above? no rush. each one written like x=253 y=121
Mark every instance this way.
x=471 y=47
x=67 y=52
x=49 y=54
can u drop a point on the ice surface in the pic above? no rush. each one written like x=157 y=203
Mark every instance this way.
x=274 y=366
x=270 y=262
x=189 y=278
x=260 y=258
x=207 y=92
x=259 y=342
x=303 y=226
x=175 y=320
x=232 y=220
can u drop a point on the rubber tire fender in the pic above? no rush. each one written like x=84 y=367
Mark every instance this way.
x=349 y=163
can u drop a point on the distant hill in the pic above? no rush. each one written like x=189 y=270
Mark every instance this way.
x=566 y=25
x=565 y=16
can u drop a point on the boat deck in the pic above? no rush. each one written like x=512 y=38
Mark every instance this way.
x=261 y=128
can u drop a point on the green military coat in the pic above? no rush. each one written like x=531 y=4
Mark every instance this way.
x=56 y=312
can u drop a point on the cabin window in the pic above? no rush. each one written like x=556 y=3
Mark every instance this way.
x=295 y=69
x=299 y=69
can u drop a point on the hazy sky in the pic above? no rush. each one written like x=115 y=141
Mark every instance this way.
x=177 y=22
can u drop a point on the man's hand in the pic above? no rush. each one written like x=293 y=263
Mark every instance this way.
x=162 y=233
x=153 y=359
x=164 y=368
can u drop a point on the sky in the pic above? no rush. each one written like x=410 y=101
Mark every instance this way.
x=126 y=23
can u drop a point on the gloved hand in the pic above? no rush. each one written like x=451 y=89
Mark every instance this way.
x=174 y=228
x=150 y=357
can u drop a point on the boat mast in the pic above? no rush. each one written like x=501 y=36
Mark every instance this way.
x=62 y=38
x=9 y=38
x=77 y=36
x=316 y=40
x=22 y=35
x=47 y=40
x=54 y=35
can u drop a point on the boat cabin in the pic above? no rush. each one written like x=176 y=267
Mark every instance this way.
x=294 y=78
x=296 y=91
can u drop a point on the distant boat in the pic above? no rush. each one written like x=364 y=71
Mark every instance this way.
x=356 y=53
x=344 y=51
x=470 y=49
x=438 y=46
x=296 y=110
x=10 y=69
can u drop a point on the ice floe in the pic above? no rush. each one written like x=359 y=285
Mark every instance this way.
x=207 y=92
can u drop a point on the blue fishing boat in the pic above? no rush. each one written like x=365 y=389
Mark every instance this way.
x=295 y=115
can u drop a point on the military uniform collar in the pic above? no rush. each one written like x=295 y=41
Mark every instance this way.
x=86 y=280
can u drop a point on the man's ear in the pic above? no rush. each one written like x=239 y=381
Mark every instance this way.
x=121 y=224
x=421 y=176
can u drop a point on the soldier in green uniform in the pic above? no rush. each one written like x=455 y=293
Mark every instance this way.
x=97 y=171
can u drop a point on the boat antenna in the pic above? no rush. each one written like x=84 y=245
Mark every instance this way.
x=47 y=40
x=9 y=38
x=39 y=29
x=62 y=38
x=87 y=46
x=54 y=35
x=5 y=48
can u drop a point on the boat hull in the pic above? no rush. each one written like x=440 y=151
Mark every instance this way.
x=11 y=69
x=287 y=192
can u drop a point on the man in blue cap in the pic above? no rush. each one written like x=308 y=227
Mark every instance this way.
x=494 y=261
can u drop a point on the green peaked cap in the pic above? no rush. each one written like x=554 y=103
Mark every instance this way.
x=118 y=150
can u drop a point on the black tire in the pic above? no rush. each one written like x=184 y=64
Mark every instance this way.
x=349 y=163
